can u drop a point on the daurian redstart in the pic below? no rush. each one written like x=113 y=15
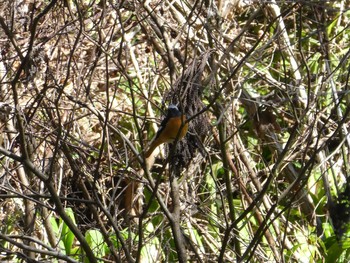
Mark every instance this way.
x=174 y=126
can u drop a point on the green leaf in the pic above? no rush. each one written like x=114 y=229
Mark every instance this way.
x=151 y=251
x=56 y=229
x=67 y=235
x=124 y=234
x=334 y=251
x=95 y=239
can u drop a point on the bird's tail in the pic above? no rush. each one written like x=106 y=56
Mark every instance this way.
x=151 y=148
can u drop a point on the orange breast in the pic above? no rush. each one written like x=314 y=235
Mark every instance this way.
x=172 y=128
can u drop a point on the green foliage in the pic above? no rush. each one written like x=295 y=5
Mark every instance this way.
x=67 y=239
x=116 y=242
x=67 y=235
x=57 y=226
x=150 y=252
x=85 y=86
x=63 y=233
x=96 y=242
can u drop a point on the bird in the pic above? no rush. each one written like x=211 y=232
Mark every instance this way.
x=173 y=126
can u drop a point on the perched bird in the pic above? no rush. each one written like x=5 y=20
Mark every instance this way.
x=174 y=126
